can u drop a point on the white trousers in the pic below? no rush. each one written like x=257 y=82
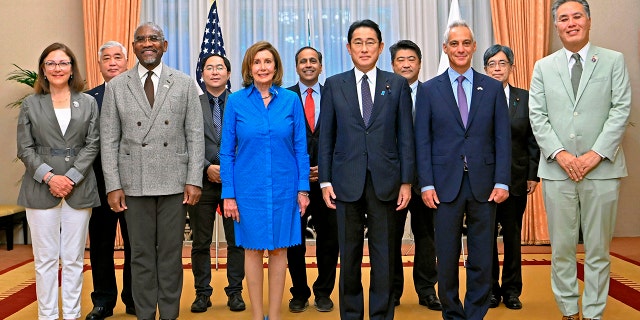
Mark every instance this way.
x=59 y=235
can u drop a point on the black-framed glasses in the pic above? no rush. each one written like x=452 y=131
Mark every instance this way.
x=143 y=39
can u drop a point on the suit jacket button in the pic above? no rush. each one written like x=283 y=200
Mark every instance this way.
x=166 y=144
x=166 y=122
x=144 y=144
x=139 y=123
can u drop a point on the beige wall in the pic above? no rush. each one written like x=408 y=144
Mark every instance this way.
x=616 y=25
x=28 y=26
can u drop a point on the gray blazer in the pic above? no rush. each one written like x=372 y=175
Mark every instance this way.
x=42 y=148
x=151 y=151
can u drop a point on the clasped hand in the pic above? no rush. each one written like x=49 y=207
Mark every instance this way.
x=60 y=186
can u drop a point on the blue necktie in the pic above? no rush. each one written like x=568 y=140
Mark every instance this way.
x=462 y=102
x=367 y=102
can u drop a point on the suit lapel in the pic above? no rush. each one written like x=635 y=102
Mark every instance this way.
x=446 y=92
x=477 y=94
x=206 y=112
x=382 y=84
x=135 y=86
x=49 y=113
x=590 y=62
x=76 y=114
x=562 y=67
x=514 y=100
x=164 y=85
x=350 y=93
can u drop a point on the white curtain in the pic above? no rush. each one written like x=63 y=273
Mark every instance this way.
x=291 y=24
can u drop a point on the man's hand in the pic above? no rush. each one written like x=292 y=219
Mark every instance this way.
x=404 y=196
x=589 y=161
x=115 y=199
x=303 y=202
x=313 y=174
x=571 y=165
x=213 y=173
x=531 y=186
x=191 y=194
x=231 y=209
x=430 y=198
x=329 y=197
x=498 y=195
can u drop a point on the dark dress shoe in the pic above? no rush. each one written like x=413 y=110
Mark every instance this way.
x=323 y=304
x=494 y=302
x=130 y=310
x=201 y=303
x=396 y=302
x=431 y=302
x=235 y=302
x=298 y=305
x=512 y=302
x=99 y=313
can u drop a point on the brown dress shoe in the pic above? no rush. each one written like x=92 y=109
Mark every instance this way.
x=572 y=317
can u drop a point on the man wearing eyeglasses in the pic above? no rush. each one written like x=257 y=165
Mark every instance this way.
x=498 y=64
x=152 y=144
x=216 y=71
x=112 y=59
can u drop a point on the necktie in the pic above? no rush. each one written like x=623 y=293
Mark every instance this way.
x=148 y=88
x=462 y=102
x=310 y=109
x=576 y=73
x=217 y=123
x=367 y=102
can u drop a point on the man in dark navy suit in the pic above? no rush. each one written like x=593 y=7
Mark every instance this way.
x=309 y=67
x=525 y=154
x=112 y=59
x=463 y=154
x=366 y=167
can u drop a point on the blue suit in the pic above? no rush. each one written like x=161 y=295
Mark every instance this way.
x=443 y=145
x=366 y=164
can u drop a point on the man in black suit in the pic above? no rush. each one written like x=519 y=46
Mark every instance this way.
x=309 y=67
x=406 y=58
x=112 y=59
x=525 y=154
x=366 y=167
x=463 y=155
x=216 y=71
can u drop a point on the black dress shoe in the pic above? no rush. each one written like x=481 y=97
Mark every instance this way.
x=431 y=302
x=130 y=310
x=201 y=303
x=298 y=305
x=494 y=302
x=323 y=304
x=99 y=313
x=396 y=302
x=512 y=302
x=235 y=302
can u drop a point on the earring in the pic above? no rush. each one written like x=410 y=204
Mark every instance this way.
x=71 y=77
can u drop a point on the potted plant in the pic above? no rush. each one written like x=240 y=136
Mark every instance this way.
x=24 y=76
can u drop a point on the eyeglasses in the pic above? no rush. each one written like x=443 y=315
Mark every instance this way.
x=143 y=39
x=217 y=67
x=51 y=65
x=501 y=63
x=359 y=43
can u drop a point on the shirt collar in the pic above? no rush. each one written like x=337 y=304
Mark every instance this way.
x=414 y=86
x=453 y=75
x=273 y=90
x=303 y=87
x=582 y=52
x=220 y=97
x=142 y=71
x=371 y=74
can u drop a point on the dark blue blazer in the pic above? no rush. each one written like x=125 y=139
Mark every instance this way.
x=98 y=93
x=442 y=141
x=385 y=147
x=312 y=135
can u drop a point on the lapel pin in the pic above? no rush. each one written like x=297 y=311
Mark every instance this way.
x=479 y=88
x=76 y=104
x=166 y=86
x=382 y=93
x=388 y=88
x=594 y=58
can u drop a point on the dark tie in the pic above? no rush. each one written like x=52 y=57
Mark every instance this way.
x=217 y=122
x=462 y=102
x=148 y=88
x=576 y=73
x=367 y=103
x=310 y=109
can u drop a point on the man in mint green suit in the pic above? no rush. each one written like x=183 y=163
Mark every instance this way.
x=578 y=108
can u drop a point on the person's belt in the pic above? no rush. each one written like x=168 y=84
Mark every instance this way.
x=67 y=153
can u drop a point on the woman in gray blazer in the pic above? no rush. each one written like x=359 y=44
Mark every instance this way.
x=57 y=142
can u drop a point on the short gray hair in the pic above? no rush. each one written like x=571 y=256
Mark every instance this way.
x=457 y=23
x=111 y=44
x=558 y=3
x=153 y=26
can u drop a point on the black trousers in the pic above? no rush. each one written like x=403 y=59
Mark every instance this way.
x=102 y=233
x=380 y=220
x=509 y=215
x=201 y=218
x=327 y=250
x=425 y=274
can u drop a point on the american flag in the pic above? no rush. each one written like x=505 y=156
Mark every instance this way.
x=211 y=42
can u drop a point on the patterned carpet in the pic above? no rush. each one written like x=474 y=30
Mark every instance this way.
x=17 y=293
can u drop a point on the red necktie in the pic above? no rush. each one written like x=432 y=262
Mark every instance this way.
x=310 y=109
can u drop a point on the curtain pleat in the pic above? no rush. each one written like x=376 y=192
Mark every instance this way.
x=523 y=25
